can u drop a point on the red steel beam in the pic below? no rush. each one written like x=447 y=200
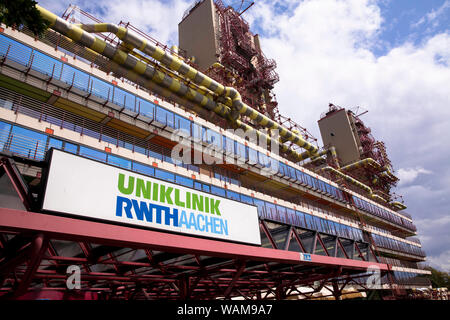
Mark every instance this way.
x=115 y=235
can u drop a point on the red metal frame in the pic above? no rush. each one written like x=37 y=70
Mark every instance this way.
x=243 y=269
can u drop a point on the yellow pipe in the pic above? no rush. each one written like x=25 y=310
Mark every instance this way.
x=155 y=80
x=372 y=162
x=398 y=205
x=201 y=79
x=136 y=70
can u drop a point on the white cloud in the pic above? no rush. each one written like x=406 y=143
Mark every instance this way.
x=408 y=175
x=324 y=51
x=159 y=19
x=441 y=262
x=432 y=16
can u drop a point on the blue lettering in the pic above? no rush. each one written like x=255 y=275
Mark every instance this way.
x=119 y=207
x=216 y=226
x=192 y=221
x=200 y=225
x=183 y=220
x=224 y=226
x=209 y=224
x=171 y=216
x=141 y=210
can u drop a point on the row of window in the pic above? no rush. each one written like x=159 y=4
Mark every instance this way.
x=382 y=213
x=29 y=143
x=71 y=76
x=389 y=243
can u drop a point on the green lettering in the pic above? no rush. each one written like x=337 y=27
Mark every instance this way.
x=197 y=202
x=206 y=204
x=164 y=194
x=188 y=199
x=177 y=199
x=215 y=207
x=130 y=188
x=144 y=188
x=155 y=192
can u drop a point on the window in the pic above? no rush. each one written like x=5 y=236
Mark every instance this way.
x=28 y=143
x=240 y=151
x=261 y=207
x=101 y=89
x=270 y=210
x=16 y=51
x=92 y=154
x=165 y=117
x=206 y=188
x=145 y=108
x=5 y=128
x=252 y=156
x=183 y=124
x=187 y=182
x=54 y=143
x=246 y=199
x=218 y=191
x=300 y=218
x=46 y=65
x=149 y=171
x=73 y=76
x=197 y=186
x=233 y=195
x=164 y=175
x=118 y=96
x=197 y=132
x=72 y=148
x=120 y=162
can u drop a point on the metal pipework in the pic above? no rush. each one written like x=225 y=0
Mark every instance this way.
x=199 y=78
x=398 y=205
x=349 y=179
x=136 y=68
x=369 y=161
x=134 y=65
x=355 y=182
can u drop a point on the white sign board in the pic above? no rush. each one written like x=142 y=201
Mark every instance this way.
x=87 y=188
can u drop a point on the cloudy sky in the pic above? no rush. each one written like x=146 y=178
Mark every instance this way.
x=391 y=57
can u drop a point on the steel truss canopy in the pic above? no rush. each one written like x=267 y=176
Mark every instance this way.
x=38 y=252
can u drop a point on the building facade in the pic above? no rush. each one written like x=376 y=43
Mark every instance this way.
x=82 y=94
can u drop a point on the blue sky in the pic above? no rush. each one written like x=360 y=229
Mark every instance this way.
x=391 y=57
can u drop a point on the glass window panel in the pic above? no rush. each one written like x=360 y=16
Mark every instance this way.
x=145 y=108
x=72 y=148
x=46 y=65
x=183 y=124
x=28 y=143
x=92 y=154
x=54 y=143
x=118 y=96
x=218 y=191
x=187 y=182
x=261 y=207
x=246 y=199
x=198 y=185
x=164 y=175
x=120 y=162
x=144 y=169
x=5 y=128
x=233 y=195
x=252 y=156
x=15 y=50
x=101 y=88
